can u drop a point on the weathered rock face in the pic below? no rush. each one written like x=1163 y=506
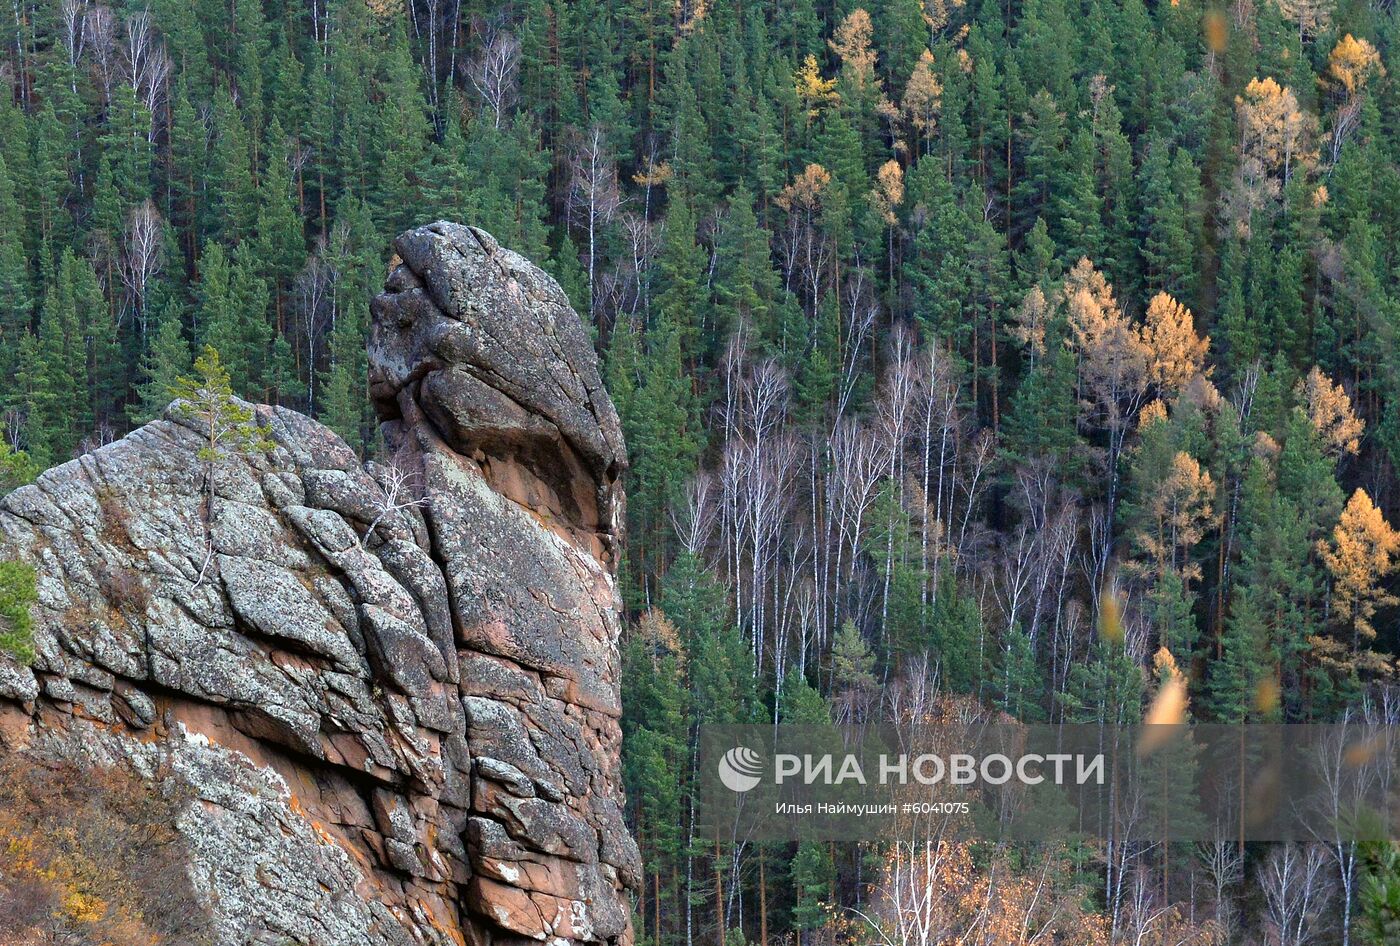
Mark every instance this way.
x=400 y=735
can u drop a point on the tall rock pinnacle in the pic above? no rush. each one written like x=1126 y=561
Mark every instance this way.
x=390 y=711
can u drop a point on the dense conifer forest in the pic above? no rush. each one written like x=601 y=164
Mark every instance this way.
x=973 y=356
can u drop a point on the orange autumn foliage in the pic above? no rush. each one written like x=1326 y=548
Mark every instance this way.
x=888 y=192
x=852 y=43
x=939 y=892
x=1275 y=132
x=1360 y=555
x=1175 y=353
x=91 y=858
x=1330 y=412
x=1353 y=62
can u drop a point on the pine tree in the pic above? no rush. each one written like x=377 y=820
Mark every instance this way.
x=956 y=637
x=227 y=427
x=1043 y=129
x=1078 y=205
x=745 y=284
x=51 y=185
x=1169 y=609
x=104 y=371
x=15 y=296
x=16 y=469
x=818 y=370
x=813 y=876
x=654 y=750
x=345 y=384
x=54 y=369
x=1167 y=244
x=891 y=545
x=18 y=592
x=162 y=365
x=281 y=245
x=127 y=143
x=1042 y=425
x=852 y=663
x=1020 y=684
x=693 y=161
x=1245 y=669
x=231 y=317
x=658 y=425
x=939 y=269
x=1379 y=895
x=232 y=207
x=1107 y=687
x=799 y=704
x=681 y=267
x=187 y=155
x=900 y=31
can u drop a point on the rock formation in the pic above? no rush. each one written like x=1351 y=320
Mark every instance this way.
x=395 y=725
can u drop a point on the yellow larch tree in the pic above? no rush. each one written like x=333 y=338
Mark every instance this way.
x=888 y=192
x=690 y=13
x=805 y=191
x=1175 y=353
x=1180 y=512
x=1112 y=364
x=1275 y=132
x=1330 y=411
x=653 y=175
x=1172 y=702
x=1352 y=63
x=1029 y=322
x=1155 y=412
x=1311 y=16
x=923 y=94
x=934 y=891
x=659 y=634
x=862 y=90
x=885 y=197
x=1361 y=553
x=814 y=91
x=938 y=13
x=1112 y=359
x=852 y=44
x=1094 y=315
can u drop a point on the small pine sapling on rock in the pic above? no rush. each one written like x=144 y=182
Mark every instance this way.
x=228 y=424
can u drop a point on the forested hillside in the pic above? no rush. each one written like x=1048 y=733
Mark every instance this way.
x=1028 y=354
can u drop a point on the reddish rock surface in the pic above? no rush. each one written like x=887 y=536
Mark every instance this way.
x=402 y=736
